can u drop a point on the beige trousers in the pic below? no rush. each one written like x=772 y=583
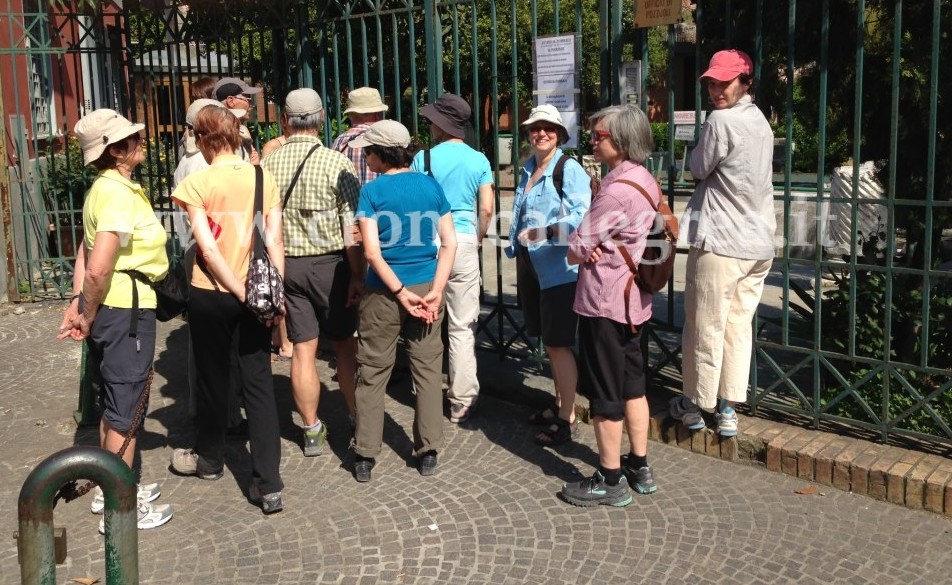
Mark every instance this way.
x=721 y=297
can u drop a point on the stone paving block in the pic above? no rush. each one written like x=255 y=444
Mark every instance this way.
x=916 y=482
x=790 y=453
x=669 y=431
x=683 y=436
x=896 y=483
x=729 y=449
x=712 y=444
x=842 y=476
x=887 y=458
x=776 y=445
x=655 y=424
x=698 y=440
x=859 y=470
x=934 y=492
x=823 y=461
x=806 y=455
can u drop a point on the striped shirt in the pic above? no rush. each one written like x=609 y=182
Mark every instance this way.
x=324 y=198
x=356 y=155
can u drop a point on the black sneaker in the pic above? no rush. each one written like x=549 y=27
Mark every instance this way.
x=594 y=491
x=362 y=467
x=427 y=463
x=641 y=479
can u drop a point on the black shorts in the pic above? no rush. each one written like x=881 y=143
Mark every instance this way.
x=546 y=312
x=610 y=366
x=120 y=364
x=315 y=289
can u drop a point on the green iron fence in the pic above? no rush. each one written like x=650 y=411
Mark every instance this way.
x=851 y=331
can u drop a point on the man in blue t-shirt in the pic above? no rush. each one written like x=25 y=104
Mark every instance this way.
x=466 y=178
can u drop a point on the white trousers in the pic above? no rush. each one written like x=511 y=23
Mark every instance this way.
x=721 y=297
x=462 y=312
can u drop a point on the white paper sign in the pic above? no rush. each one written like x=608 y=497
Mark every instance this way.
x=555 y=54
x=559 y=83
x=561 y=101
x=570 y=119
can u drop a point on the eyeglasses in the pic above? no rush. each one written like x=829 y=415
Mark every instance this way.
x=541 y=128
x=599 y=135
x=242 y=96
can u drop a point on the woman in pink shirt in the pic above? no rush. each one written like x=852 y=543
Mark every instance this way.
x=611 y=367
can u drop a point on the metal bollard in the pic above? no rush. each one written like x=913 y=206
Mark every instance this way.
x=35 y=509
x=86 y=413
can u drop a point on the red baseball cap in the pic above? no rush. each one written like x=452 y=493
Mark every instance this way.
x=726 y=65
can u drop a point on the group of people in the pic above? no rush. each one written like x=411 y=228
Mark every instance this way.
x=377 y=243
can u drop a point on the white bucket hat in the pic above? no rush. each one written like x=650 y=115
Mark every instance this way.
x=100 y=128
x=365 y=100
x=548 y=113
x=383 y=133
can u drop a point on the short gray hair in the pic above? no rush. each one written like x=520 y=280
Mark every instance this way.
x=309 y=122
x=629 y=129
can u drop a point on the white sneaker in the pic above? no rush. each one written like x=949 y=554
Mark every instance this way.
x=148 y=492
x=149 y=516
x=687 y=412
x=727 y=424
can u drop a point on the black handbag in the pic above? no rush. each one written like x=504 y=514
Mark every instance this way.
x=264 y=289
x=171 y=293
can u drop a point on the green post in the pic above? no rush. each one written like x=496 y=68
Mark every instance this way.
x=35 y=513
x=86 y=414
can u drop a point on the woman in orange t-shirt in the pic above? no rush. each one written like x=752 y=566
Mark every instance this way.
x=220 y=205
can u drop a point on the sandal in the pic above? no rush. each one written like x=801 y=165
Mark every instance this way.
x=545 y=416
x=559 y=432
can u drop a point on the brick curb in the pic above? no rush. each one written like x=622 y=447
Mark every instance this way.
x=900 y=476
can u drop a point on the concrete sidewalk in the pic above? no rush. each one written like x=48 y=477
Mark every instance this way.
x=490 y=515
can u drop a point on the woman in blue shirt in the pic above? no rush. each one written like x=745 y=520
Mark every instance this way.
x=543 y=218
x=409 y=244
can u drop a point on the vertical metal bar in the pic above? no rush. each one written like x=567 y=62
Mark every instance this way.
x=415 y=90
x=930 y=179
x=304 y=48
x=891 y=185
x=857 y=143
x=788 y=136
x=615 y=42
x=820 y=196
x=397 y=93
x=454 y=27
x=434 y=60
x=6 y=208
x=671 y=159
x=605 y=64
x=365 y=68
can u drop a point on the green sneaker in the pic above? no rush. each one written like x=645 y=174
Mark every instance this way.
x=641 y=479
x=314 y=440
x=594 y=491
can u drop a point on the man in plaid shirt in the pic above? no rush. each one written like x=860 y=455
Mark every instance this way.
x=364 y=107
x=324 y=269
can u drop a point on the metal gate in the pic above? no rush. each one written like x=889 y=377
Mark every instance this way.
x=855 y=334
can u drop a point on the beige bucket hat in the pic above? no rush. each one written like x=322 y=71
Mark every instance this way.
x=365 y=100
x=100 y=128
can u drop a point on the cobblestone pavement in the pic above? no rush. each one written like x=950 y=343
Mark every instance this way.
x=490 y=515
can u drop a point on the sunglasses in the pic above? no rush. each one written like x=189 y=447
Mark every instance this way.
x=542 y=128
x=599 y=135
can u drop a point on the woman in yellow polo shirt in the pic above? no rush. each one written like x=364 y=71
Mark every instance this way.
x=121 y=232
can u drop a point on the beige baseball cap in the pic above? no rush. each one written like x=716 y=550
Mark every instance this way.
x=383 y=133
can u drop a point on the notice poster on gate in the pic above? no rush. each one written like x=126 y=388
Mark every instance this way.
x=656 y=12
x=555 y=79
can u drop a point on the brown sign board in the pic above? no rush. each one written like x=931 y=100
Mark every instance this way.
x=656 y=12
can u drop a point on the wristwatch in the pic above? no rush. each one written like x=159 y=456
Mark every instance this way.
x=549 y=232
